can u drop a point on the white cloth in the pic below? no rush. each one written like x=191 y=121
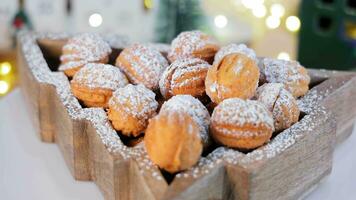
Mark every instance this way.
x=30 y=169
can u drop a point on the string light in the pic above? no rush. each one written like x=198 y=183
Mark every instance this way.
x=273 y=22
x=4 y=87
x=95 y=20
x=283 y=56
x=5 y=68
x=293 y=23
x=277 y=10
x=259 y=11
x=220 y=21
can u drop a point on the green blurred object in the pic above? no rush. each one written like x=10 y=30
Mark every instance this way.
x=175 y=16
x=20 y=21
x=327 y=36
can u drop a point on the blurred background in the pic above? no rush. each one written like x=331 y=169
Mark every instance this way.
x=318 y=33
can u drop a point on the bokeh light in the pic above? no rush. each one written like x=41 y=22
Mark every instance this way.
x=273 y=22
x=5 y=68
x=95 y=20
x=4 y=87
x=220 y=21
x=259 y=11
x=283 y=56
x=293 y=23
x=277 y=10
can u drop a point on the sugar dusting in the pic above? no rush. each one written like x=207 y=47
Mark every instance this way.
x=235 y=111
x=222 y=155
x=85 y=47
x=136 y=100
x=194 y=108
x=146 y=65
x=96 y=75
x=234 y=48
x=188 y=42
x=172 y=75
x=282 y=71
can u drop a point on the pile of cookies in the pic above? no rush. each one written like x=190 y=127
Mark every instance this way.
x=168 y=99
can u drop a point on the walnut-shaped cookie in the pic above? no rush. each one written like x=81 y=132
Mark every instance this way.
x=242 y=124
x=94 y=83
x=83 y=49
x=142 y=65
x=280 y=103
x=290 y=73
x=184 y=76
x=194 y=44
x=236 y=75
x=172 y=141
x=130 y=108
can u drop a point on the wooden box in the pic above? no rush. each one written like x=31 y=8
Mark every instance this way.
x=290 y=165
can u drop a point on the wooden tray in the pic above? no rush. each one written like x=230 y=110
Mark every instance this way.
x=286 y=168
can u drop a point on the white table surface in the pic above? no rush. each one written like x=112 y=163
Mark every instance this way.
x=30 y=169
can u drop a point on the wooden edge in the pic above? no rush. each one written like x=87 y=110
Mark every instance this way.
x=214 y=185
x=29 y=89
x=336 y=94
x=270 y=175
x=101 y=164
x=328 y=73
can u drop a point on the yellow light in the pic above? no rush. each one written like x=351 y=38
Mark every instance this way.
x=4 y=87
x=5 y=68
x=252 y=3
x=95 y=20
x=293 y=23
x=273 y=22
x=259 y=11
x=148 y=4
x=220 y=21
x=283 y=56
x=277 y=10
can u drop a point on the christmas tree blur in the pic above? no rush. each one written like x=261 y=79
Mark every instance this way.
x=175 y=16
x=20 y=21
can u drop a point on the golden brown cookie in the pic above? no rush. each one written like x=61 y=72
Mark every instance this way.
x=242 y=124
x=198 y=112
x=234 y=48
x=82 y=49
x=294 y=76
x=172 y=141
x=94 y=83
x=280 y=103
x=184 y=76
x=142 y=65
x=193 y=44
x=235 y=76
x=130 y=108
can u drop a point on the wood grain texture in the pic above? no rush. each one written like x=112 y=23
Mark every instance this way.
x=36 y=95
x=340 y=100
x=287 y=174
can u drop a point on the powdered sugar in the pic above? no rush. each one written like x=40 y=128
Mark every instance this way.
x=135 y=99
x=239 y=112
x=186 y=67
x=268 y=94
x=96 y=75
x=187 y=42
x=86 y=47
x=194 y=108
x=234 y=48
x=281 y=71
x=145 y=65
